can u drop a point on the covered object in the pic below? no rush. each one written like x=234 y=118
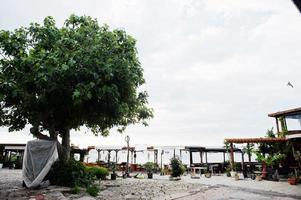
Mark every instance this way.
x=38 y=158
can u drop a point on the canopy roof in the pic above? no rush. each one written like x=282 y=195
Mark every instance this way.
x=209 y=150
x=295 y=111
x=255 y=140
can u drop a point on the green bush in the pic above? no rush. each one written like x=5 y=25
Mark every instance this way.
x=177 y=168
x=92 y=190
x=75 y=190
x=149 y=166
x=74 y=174
x=98 y=172
x=69 y=173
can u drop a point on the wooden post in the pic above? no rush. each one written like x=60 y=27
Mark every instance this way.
x=224 y=156
x=81 y=156
x=277 y=125
x=242 y=160
x=5 y=156
x=135 y=157
x=181 y=154
x=156 y=156
x=206 y=157
x=109 y=157
x=190 y=156
x=9 y=158
x=1 y=155
x=232 y=156
x=116 y=153
x=98 y=155
x=201 y=155
x=249 y=153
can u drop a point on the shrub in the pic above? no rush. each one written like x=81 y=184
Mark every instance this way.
x=98 y=172
x=177 y=168
x=74 y=174
x=149 y=166
x=92 y=190
x=75 y=190
x=69 y=173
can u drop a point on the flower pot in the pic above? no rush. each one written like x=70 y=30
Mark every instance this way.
x=292 y=181
x=258 y=178
x=113 y=176
x=232 y=173
x=150 y=175
x=236 y=177
x=208 y=175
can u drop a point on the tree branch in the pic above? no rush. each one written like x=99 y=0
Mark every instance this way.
x=36 y=133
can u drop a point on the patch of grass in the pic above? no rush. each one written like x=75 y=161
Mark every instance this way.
x=93 y=190
x=75 y=190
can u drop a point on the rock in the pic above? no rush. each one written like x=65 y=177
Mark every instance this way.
x=130 y=197
x=55 y=196
x=3 y=194
x=86 y=198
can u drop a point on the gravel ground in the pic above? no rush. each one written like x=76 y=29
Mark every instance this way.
x=159 y=188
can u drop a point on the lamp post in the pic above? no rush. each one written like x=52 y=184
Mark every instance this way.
x=162 y=152
x=127 y=139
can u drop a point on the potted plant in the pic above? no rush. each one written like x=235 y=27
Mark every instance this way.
x=149 y=167
x=228 y=172
x=208 y=174
x=236 y=176
x=292 y=180
x=269 y=161
x=258 y=177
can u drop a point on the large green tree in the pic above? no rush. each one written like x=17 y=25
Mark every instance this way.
x=58 y=79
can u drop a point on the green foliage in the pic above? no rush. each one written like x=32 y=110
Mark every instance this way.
x=236 y=166
x=227 y=146
x=74 y=174
x=149 y=166
x=62 y=78
x=69 y=173
x=276 y=152
x=177 y=168
x=93 y=190
x=297 y=156
x=75 y=190
x=248 y=149
x=228 y=170
x=284 y=130
x=98 y=172
x=270 y=160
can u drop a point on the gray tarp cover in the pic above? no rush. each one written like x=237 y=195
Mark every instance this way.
x=38 y=158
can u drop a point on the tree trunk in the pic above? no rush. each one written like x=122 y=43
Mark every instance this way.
x=65 y=134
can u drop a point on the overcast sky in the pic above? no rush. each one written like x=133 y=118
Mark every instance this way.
x=213 y=69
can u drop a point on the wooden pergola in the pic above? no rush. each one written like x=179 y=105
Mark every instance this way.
x=232 y=141
x=7 y=151
x=133 y=151
x=81 y=152
x=204 y=151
